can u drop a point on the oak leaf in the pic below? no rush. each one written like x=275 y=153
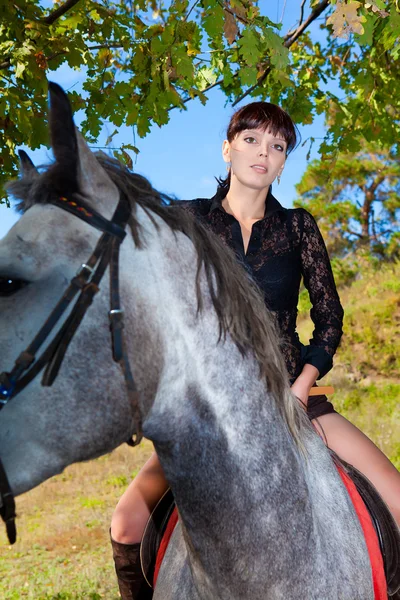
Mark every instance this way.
x=230 y=27
x=377 y=9
x=346 y=20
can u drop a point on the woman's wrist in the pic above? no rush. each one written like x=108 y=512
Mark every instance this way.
x=304 y=382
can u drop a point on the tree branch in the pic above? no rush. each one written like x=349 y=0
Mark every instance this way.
x=283 y=11
x=193 y=6
x=207 y=89
x=376 y=183
x=5 y=64
x=100 y=46
x=289 y=38
x=380 y=234
x=359 y=235
x=59 y=12
x=302 y=12
x=290 y=33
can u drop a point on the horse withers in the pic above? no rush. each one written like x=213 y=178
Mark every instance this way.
x=263 y=512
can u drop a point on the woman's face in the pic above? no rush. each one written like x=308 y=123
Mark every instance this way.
x=257 y=157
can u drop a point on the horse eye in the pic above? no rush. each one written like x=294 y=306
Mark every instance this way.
x=9 y=286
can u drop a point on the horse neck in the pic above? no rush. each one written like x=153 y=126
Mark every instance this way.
x=212 y=421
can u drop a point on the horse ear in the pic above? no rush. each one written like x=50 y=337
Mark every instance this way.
x=80 y=170
x=94 y=182
x=62 y=131
x=26 y=165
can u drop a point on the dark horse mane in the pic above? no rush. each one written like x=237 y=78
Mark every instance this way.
x=236 y=298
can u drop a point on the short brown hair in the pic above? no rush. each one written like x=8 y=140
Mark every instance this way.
x=264 y=115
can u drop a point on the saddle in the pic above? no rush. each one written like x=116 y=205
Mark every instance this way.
x=153 y=534
x=386 y=529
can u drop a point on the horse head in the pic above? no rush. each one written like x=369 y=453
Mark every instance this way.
x=84 y=413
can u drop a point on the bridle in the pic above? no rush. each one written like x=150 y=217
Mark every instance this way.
x=85 y=285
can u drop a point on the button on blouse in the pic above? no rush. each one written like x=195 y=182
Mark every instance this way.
x=284 y=247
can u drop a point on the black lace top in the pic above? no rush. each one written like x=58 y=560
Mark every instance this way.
x=285 y=246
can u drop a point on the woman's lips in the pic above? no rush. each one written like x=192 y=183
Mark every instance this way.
x=259 y=169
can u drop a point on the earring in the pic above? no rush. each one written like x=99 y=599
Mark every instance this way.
x=279 y=179
x=228 y=166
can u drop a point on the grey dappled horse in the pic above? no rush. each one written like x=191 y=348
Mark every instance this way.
x=263 y=512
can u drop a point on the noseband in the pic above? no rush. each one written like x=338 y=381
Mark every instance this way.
x=85 y=285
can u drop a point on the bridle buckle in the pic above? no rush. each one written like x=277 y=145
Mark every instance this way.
x=7 y=387
x=84 y=271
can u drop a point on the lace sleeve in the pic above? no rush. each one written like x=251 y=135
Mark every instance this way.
x=326 y=312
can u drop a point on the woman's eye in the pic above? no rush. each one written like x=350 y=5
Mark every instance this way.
x=250 y=140
x=9 y=286
x=278 y=147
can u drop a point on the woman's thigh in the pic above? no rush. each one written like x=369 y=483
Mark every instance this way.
x=356 y=448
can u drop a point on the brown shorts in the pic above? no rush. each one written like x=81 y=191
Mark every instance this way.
x=318 y=406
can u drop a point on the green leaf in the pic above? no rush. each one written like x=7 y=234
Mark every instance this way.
x=20 y=68
x=248 y=76
x=278 y=53
x=249 y=46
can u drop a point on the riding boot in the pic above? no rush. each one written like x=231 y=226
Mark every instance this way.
x=131 y=582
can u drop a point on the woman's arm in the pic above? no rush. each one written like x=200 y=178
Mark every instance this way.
x=326 y=312
x=304 y=382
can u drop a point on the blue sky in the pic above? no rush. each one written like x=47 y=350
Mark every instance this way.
x=183 y=157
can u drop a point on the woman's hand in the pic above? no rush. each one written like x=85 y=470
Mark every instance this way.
x=303 y=384
x=301 y=391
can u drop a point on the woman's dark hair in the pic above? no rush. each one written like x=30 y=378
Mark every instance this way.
x=260 y=115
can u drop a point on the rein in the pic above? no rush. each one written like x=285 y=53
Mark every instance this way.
x=86 y=284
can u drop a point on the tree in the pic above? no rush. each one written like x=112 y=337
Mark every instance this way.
x=144 y=58
x=356 y=200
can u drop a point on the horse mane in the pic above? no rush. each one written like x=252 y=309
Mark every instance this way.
x=236 y=298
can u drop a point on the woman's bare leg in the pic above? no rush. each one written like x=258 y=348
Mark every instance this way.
x=358 y=450
x=135 y=506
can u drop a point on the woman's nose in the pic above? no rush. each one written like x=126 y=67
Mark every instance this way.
x=263 y=152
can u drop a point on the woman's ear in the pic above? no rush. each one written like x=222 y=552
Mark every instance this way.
x=226 y=151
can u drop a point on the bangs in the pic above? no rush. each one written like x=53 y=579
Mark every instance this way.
x=265 y=116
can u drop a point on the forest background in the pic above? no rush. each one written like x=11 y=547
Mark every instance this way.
x=130 y=68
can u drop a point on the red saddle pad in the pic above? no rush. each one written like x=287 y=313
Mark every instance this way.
x=371 y=539
x=164 y=543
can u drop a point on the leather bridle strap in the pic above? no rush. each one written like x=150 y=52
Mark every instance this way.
x=86 y=282
x=12 y=383
x=53 y=355
x=7 y=506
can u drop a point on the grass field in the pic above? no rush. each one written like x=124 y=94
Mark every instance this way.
x=366 y=373
x=63 y=552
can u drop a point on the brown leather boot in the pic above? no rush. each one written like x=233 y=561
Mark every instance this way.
x=132 y=584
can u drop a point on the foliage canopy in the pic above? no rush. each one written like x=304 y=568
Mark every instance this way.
x=142 y=59
x=356 y=201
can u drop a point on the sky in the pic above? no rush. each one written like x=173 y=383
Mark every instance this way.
x=183 y=157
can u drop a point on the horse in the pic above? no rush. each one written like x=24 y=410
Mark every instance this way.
x=263 y=513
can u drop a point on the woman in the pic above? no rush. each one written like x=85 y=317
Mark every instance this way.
x=278 y=247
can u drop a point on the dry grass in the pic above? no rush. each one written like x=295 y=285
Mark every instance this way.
x=366 y=375
x=63 y=550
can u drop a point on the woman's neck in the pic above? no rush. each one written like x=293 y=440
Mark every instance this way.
x=243 y=203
